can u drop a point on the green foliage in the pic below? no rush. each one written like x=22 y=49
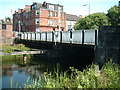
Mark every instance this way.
x=9 y=48
x=114 y=15
x=92 y=21
x=108 y=77
x=7 y=18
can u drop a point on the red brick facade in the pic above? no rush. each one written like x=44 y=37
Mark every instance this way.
x=40 y=17
x=6 y=30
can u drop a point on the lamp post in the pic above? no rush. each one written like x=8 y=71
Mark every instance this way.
x=88 y=8
x=19 y=25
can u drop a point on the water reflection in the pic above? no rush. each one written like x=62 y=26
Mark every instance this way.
x=18 y=70
x=20 y=67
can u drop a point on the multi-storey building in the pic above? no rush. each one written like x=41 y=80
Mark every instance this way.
x=40 y=17
x=6 y=28
x=71 y=21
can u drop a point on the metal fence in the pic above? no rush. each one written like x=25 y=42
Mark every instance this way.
x=75 y=37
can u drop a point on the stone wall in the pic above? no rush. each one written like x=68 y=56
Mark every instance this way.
x=7 y=40
x=108 y=44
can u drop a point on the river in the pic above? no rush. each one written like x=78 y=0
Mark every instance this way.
x=16 y=71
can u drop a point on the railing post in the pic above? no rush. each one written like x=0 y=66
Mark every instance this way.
x=46 y=36
x=27 y=35
x=96 y=37
x=35 y=36
x=52 y=36
x=70 y=36
x=24 y=35
x=61 y=36
x=31 y=35
x=20 y=35
x=40 y=36
x=83 y=36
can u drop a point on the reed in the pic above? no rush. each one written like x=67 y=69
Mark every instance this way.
x=107 y=77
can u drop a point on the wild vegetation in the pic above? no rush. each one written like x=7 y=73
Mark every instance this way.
x=12 y=48
x=107 y=77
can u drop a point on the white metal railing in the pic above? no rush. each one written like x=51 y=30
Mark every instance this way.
x=75 y=37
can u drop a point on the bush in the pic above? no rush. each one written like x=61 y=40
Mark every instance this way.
x=10 y=48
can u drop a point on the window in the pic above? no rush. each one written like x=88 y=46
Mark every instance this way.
x=53 y=14
x=61 y=15
x=26 y=15
x=56 y=14
x=69 y=27
x=49 y=13
x=38 y=12
x=38 y=29
x=60 y=8
x=34 y=6
x=51 y=7
x=37 y=21
x=4 y=26
x=50 y=22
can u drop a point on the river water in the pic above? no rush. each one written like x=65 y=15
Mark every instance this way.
x=16 y=71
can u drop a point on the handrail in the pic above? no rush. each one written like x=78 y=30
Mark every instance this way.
x=75 y=37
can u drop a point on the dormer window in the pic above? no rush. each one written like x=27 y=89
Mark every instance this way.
x=51 y=7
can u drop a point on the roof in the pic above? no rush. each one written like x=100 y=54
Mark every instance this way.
x=70 y=17
x=2 y=21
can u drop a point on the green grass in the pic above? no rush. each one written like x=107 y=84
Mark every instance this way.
x=108 y=77
x=12 y=48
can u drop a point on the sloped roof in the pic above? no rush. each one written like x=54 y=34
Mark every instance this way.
x=70 y=17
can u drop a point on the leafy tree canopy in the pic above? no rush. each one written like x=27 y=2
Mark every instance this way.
x=7 y=18
x=114 y=15
x=92 y=21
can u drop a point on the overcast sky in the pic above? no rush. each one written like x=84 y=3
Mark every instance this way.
x=70 y=6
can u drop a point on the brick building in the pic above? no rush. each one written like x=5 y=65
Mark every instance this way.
x=40 y=17
x=6 y=28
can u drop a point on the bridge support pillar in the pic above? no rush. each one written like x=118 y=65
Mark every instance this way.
x=108 y=44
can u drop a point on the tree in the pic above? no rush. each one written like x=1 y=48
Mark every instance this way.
x=114 y=15
x=7 y=19
x=92 y=21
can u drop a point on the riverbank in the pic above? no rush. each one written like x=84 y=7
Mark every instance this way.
x=107 y=77
x=23 y=52
x=6 y=48
x=18 y=49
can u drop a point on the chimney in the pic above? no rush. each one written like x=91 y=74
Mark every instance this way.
x=44 y=4
x=19 y=10
x=80 y=16
x=27 y=7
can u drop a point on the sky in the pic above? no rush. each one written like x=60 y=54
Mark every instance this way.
x=8 y=7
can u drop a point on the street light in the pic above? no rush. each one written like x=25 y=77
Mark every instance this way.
x=88 y=8
x=19 y=25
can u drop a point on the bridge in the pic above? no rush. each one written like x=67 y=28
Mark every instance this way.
x=100 y=44
x=84 y=37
